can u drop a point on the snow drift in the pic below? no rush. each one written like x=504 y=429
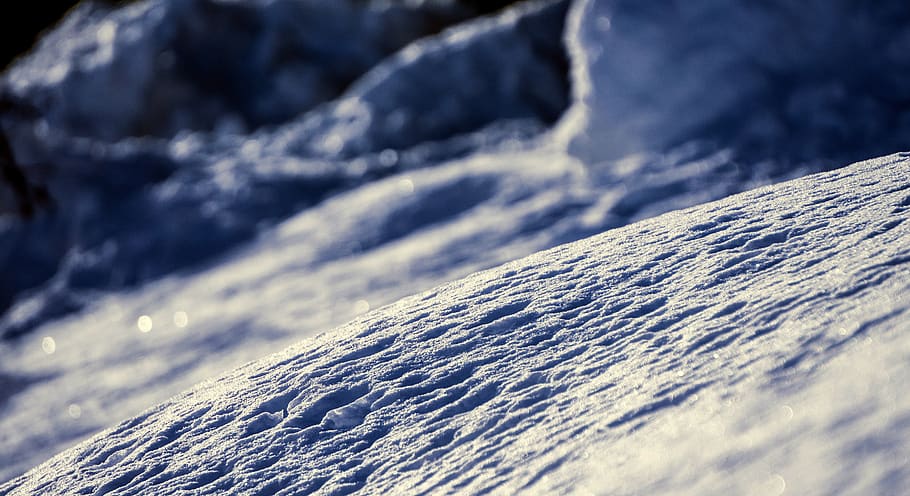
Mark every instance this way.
x=200 y=225
x=207 y=190
x=732 y=322
x=212 y=120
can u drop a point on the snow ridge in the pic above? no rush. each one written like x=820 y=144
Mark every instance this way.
x=211 y=187
x=505 y=381
x=397 y=167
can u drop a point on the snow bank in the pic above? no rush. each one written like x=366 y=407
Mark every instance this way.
x=229 y=182
x=171 y=131
x=137 y=199
x=162 y=67
x=819 y=83
x=723 y=332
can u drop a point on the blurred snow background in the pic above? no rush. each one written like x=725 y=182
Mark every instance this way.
x=226 y=178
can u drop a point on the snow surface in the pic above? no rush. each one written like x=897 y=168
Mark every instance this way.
x=821 y=81
x=200 y=226
x=752 y=344
x=207 y=191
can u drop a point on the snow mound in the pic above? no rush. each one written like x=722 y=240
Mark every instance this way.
x=163 y=67
x=820 y=83
x=232 y=177
x=205 y=179
x=210 y=121
x=733 y=323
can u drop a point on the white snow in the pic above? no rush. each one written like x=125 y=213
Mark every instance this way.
x=750 y=344
x=747 y=345
x=807 y=83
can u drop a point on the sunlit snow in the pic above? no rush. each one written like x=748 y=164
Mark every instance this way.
x=749 y=345
x=228 y=179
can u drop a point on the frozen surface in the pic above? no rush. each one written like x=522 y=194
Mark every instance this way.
x=231 y=177
x=131 y=208
x=778 y=84
x=753 y=344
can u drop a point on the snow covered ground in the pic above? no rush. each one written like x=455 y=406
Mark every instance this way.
x=200 y=226
x=755 y=344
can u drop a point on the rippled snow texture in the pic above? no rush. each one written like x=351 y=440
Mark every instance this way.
x=730 y=324
x=245 y=184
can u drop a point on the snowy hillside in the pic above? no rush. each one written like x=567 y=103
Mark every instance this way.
x=753 y=344
x=202 y=183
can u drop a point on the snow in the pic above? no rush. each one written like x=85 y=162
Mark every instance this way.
x=749 y=344
x=745 y=345
x=814 y=83
x=210 y=191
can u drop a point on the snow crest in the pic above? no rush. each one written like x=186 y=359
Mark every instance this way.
x=511 y=379
x=138 y=200
x=227 y=178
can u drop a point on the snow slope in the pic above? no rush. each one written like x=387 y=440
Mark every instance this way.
x=819 y=83
x=206 y=191
x=200 y=226
x=750 y=344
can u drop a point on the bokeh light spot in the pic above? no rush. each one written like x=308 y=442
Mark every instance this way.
x=388 y=158
x=181 y=319
x=144 y=323
x=361 y=306
x=48 y=345
x=406 y=186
